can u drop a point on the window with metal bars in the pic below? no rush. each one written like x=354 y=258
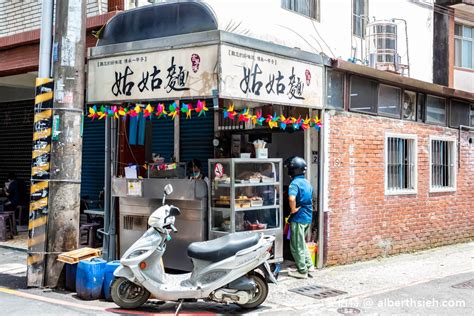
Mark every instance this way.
x=442 y=161
x=400 y=164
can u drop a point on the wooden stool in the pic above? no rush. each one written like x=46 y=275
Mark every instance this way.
x=13 y=220
x=5 y=227
x=89 y=230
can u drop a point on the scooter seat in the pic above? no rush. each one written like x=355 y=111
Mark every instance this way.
x=224 y=247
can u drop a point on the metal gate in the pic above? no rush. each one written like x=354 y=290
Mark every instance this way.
x=196 y=136
x=93 y=158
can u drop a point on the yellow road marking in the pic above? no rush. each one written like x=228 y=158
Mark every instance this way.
x=49 y=300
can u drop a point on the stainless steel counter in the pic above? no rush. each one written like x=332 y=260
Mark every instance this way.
x=138 y=198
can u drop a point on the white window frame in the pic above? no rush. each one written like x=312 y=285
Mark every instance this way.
x=454 y=158
x=461 y=38
x=414 y=138
x=364 y=17
x=317 y=9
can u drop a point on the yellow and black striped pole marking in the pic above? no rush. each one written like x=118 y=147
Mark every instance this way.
x=38 y=214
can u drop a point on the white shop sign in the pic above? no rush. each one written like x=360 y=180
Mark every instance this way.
x=170 y=74
x=250 y=75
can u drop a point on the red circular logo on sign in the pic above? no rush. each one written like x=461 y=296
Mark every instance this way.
x=219 y=170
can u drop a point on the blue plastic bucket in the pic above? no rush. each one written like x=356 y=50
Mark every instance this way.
x=89 y=278
x=71 y=271
x=109 y=277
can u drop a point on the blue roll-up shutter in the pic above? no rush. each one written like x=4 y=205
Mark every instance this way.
x=163 y=137
x=93 y=158
x=196 y=135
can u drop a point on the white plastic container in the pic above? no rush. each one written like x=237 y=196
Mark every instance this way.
x=261 y=153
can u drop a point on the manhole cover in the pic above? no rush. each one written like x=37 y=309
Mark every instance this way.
x=465 y=285
x=318 y=292
x=348 y=311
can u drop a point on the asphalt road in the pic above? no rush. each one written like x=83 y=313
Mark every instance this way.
x=436 y=297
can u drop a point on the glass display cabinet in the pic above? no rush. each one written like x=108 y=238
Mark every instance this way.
x=245 y=195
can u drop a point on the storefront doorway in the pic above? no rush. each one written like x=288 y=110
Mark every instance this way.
x=236 y=140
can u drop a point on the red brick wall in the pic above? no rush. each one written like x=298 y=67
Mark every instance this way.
x=365 y=223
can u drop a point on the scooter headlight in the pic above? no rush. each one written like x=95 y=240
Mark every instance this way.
x=136 y=253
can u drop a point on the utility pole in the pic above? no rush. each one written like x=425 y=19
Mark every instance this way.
x=66 y=148
x=38 y=212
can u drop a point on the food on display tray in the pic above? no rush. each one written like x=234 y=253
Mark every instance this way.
x=254 y=177
x=256 y=201
x=242 y=202
x=224 y=179
x=223 y=200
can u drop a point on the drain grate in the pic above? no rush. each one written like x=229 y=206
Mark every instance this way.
x=318 y=292
x=465 y=285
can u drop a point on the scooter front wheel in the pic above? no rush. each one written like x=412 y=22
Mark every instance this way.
x=127 y=294
x=260 y=293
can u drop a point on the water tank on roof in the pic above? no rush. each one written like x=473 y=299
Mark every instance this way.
x=382 y=46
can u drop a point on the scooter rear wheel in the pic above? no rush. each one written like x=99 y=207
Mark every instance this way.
x=127 y=294
x=260 y=294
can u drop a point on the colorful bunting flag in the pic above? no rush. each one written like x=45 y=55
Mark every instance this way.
x=200 y=108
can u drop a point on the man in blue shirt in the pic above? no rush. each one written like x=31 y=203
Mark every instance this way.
x=300 y=195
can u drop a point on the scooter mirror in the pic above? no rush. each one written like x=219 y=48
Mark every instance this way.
x=168 y=189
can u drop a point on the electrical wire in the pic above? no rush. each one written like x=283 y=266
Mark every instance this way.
x=330 y=50
x=315 y=29
x=304 y=39
x=443 y=10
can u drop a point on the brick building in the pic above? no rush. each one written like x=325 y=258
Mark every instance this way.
x=397 y=181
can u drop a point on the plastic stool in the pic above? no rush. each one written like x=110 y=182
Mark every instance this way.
x=13 y=220
x=5 y=227
x=90 y=230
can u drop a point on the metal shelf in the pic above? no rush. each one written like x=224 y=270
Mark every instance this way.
x=221 y=209
x=244 y=209
x=247 y=184
x=256 y=208
x=233 y=188
x=259 y=184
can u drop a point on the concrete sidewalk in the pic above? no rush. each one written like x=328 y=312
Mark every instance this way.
x=365 y=279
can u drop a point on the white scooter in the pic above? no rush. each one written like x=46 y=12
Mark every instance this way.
x=230 y=269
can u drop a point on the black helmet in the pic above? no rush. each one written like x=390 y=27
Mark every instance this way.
x=296 y=166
